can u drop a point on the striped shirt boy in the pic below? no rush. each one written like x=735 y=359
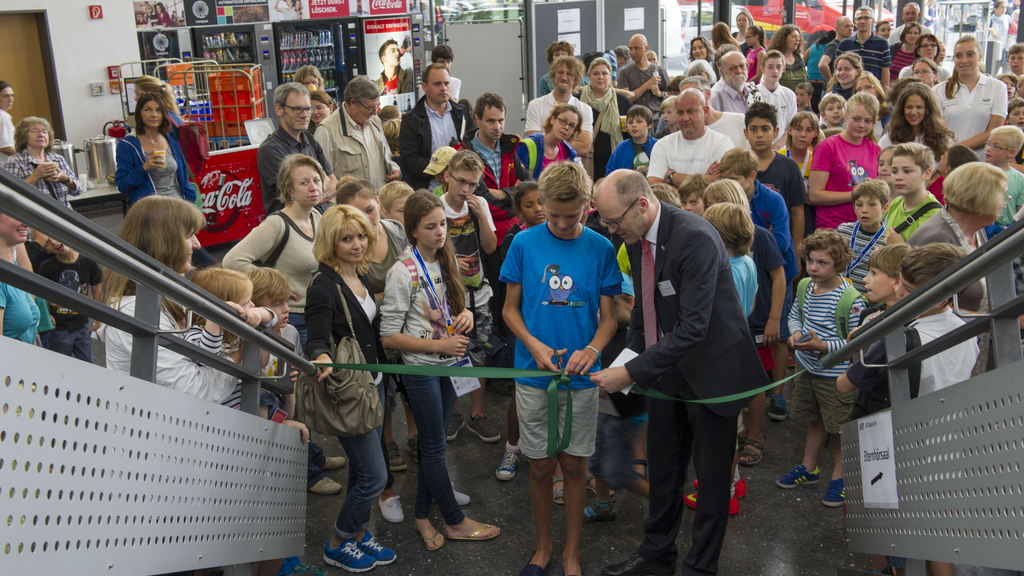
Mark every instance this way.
x=874 y=53
x=820 y=316
x=861 y=251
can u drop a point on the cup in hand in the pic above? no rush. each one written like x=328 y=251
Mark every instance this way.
x=51 y=170
x=159 y=157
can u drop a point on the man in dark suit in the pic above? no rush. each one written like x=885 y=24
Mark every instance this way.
x=694 y=344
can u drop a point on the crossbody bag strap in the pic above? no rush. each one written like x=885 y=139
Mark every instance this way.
x=921 y=211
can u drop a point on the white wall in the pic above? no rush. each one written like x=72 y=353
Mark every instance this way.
x=82 y=50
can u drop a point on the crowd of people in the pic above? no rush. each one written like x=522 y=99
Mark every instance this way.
x=696 y=237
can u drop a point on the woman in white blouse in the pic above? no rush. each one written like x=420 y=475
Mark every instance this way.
x=973 y=103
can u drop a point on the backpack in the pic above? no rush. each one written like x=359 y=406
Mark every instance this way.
x=846 y=300
x=271 y=260
x=195 y=147
x=531 y=149
x=871 y=401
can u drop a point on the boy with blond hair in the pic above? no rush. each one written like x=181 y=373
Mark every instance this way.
x=691 y=194
x=1004 y=143
x=827 y=309
x=669 y=117
x=392 y=198
x=867 y=233
x=562 y=319
x=832 y=109
x=911 y=168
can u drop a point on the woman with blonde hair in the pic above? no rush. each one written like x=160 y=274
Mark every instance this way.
x=284 y=240
x=340 y=303
x=145 y=84
x=308 y=76
x=972 y=102
x=869 y=84
x=848 y=67
x=323 y=105
x=743 y=22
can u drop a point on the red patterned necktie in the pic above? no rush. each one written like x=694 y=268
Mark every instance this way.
x=647 y=279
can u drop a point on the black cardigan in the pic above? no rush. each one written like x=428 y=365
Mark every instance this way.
x=325 y=317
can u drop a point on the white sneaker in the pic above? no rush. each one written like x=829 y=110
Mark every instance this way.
x=460 y=498
x=391 y=509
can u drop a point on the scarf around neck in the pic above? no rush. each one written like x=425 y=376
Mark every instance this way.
x=610 y=124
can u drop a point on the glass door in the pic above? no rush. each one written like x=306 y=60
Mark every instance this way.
x=228 y=45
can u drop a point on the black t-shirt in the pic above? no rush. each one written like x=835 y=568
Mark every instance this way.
x=79 y=277
x=783 y=176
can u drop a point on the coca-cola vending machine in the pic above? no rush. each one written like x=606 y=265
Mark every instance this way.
x=330 y=44
x=229 y=186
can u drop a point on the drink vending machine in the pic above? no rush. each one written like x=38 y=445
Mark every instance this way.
x=332 y=45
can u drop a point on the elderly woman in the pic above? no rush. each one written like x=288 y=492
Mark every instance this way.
x=284 y=241
x=36 y=163
x=608 y=105
x=19 y=314
x=975 y=194
x=353 y=138
x=538 y=150
x=150 y=161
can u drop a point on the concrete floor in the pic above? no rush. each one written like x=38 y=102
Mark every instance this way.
x=777 y=532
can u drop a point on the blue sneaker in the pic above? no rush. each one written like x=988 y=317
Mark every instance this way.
x=349 y=557
x=835 y=496
x=777 y=409
x=507 y=469
x=798 y=475
x=369 y=546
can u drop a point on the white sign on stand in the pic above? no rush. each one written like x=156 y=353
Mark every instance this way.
x=878 y=461
x=569 y=21
x=633 y=19
x=573 y=39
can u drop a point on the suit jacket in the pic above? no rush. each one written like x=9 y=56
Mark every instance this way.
x=705 y=345
x=414 y=140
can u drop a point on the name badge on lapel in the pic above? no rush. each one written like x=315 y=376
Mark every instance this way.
x=666 y=289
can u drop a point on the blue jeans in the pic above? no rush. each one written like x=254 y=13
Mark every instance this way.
x=299 y=321
x=72 y=343
x=432 y=400
x=314 y=461
x=367 y=476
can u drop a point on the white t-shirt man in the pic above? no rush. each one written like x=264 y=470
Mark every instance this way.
x=731 y=125
x=953 y=365
x=784 y=101
x=539 y=108
x=6 y=134
x=687 y=156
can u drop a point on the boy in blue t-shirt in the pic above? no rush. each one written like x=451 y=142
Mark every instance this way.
x=635 y=152
x=560 y=275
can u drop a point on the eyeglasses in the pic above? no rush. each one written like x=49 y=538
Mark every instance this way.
x=566 y=123
x=370 y=109
x=461 y=182
x=38 y=131
x=991 y=145
x=929 y=45
x=615 y=223
x=299 y=111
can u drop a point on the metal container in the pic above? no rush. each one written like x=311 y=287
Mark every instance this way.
x=100 y=151
x=67 y=150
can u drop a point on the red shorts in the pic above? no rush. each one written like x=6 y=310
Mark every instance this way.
x=767 y=360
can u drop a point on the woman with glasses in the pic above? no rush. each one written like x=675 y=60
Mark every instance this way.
x=928 y=46
x=150 y=161
x=36 y=163
x=538 y=150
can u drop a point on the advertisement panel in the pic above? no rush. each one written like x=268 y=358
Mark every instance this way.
x=232 y=202
x=163 y=14
x=329 y=8
x=282 y=10
x=389 y=62
x=386 y=7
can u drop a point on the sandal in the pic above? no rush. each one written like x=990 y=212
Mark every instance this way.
x=558 y=495
x=753 y=451
x=475 y=536
x=428 y=540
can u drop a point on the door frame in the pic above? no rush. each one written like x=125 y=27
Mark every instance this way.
x=49 y=68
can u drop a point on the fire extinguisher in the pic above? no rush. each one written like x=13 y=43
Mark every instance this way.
x=117 y=129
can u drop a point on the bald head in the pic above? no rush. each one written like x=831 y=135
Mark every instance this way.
x=691 y=113
x=638 y=50
x=733 y=67
x=626 y=204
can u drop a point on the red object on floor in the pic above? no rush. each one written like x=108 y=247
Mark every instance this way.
x=741 y=487
x=734 y=504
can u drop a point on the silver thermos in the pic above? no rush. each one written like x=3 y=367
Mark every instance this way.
x=100 y=152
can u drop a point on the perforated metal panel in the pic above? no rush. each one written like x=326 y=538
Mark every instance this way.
x=101 y=473
x=958 y=465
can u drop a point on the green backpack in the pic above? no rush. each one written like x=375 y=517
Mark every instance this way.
x=531 y=148
x=846 y=300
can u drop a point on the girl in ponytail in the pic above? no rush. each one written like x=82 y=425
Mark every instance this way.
x=971 y=116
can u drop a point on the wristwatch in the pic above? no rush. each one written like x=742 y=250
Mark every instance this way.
x=670 y=175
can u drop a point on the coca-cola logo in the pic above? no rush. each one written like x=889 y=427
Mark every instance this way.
x=387 y=5
x=225 y=200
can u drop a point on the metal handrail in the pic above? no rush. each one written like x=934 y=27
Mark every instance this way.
x=24 y=203
x=997 y=252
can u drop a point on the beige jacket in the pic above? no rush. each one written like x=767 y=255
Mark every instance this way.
x=347 y=154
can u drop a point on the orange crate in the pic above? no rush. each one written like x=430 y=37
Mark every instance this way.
x=240 y=114
x=225 y=129
x=230 y=98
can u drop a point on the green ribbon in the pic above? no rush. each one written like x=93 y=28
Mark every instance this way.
x=558 y=379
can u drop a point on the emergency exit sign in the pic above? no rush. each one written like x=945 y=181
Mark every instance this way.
x=95 y=12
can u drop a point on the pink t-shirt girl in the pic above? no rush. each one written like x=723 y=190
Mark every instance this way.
x=752 y=63
x=846 y=164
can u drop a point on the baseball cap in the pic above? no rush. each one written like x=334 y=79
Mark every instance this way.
x=439 y=160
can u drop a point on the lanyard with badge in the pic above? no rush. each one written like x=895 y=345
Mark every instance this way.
x=432 y=294
x=867 y=249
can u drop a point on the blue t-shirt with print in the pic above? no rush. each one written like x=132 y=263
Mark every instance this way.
x=563 y=281
x=21 y=315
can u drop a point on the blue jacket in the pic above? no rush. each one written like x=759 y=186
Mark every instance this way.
x=768 y=210
x=524 y=153
x=623 y=155
x=135 y=182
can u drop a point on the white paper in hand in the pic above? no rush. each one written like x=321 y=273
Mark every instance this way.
x=625 y=356
x=464 y=385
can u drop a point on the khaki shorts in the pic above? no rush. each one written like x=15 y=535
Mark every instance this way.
x=532 y=408
x=817 y=398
